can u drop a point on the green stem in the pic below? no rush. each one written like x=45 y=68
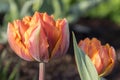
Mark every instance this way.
x=41 y=70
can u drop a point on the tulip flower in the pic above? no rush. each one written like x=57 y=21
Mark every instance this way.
x=102 y=56
x=38 y=37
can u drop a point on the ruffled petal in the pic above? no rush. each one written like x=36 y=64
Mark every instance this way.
x=14 y=39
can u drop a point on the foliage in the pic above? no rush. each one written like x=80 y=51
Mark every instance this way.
x=9 y=66
x=59 y=8
x=109 y=9
x=5 y=62
x=85 y=66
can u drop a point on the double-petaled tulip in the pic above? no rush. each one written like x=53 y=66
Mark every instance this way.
x=102 y=56
x=38 y=37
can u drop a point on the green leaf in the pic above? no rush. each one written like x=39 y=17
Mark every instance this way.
x=3 y=7
x=37 y=4
x=14 y=12
x=85 y=66
x=15 y=72
x=78 y=9
x=25 y=9
x=3 y=34
x=57 y=8
x=5 y=69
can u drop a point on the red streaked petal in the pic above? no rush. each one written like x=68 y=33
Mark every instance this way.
x=38 y=45
x=52 y=33
x=63 y=42
x=111 y=63
x=48 y=19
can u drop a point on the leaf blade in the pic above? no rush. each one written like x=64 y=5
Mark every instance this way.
x=85 y=66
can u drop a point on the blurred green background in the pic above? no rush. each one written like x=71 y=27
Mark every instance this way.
x=72 y=10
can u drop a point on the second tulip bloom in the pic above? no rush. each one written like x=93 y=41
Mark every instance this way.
x=102 y=56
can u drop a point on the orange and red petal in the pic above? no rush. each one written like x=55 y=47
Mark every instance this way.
x=63 y=42
x=48 y=19
x=97 y=61
x=38 y=45
x=53 y=34
x=84 y=45
x=14 y=40
x=112 y=59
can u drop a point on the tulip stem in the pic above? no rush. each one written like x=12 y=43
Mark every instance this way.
x=41 y=70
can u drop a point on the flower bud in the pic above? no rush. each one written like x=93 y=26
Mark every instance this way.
x=102 y=56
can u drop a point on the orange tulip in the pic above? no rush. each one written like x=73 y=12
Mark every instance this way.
x=39 y=37
x=102 y=56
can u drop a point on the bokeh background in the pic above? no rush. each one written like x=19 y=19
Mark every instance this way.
x=87 y=18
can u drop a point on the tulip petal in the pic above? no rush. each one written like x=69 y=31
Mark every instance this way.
x=110 y=65
x=84 y=45
x=38 y=45
x=22 y=28
x=48 y=24
x=27 y=20
x=52 y=32
x=48 y=19
x=15 y=41
x=97 y=61
x=63 y=42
